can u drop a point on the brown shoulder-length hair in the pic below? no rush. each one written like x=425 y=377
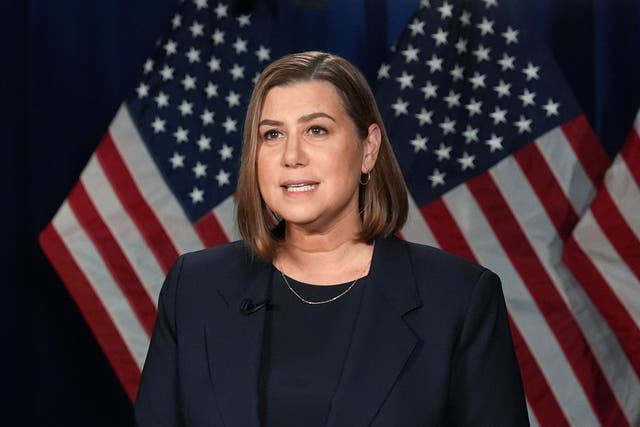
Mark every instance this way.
x=382 y=201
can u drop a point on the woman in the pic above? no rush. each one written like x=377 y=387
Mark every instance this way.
x=319 y=316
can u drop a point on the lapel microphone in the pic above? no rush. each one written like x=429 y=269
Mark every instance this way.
x=247 y=306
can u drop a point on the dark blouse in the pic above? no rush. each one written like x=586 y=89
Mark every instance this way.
x=304 y=349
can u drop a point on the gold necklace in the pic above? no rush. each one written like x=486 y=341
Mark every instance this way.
x=340 y=295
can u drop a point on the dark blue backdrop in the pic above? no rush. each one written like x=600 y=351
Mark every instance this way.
x=63 y=76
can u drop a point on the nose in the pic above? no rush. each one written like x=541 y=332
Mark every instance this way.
x=294 y=154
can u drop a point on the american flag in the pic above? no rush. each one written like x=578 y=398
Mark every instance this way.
x=501 y=166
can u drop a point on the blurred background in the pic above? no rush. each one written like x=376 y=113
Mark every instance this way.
x=69 y=64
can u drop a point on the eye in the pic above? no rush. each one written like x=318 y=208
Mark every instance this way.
x=317 y=130
x=271 y=134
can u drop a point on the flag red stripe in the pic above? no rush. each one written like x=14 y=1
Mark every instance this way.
x=631 y=154
x=92 y=309
x=541 y=399
x=618 y=232
x=549 y=301
x=549 y=192
x=586 y=145
x=539 y=393
x=210 y=231
x=605 y=299
x=114 y=258
x=136 y=206
x=445 y=229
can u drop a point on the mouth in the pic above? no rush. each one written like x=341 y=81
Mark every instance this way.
x=299 y=187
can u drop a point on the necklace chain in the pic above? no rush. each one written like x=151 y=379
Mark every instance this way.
x=306 y=301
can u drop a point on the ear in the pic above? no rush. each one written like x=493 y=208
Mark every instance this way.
x=371 y=147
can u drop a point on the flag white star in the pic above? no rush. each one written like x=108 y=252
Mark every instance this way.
x=244 y=20
x=452 y=99
x=448 y=126
x=474 y=107
x=400 y=107
x=405 y=80
x=226 y=152
x=506 y=62
x=166 y=73
x=207 y=117
x=218 y=37
x=186 y=108
x=196 y=29
x=158 y=125
x=470 y=134
x=177 y=160
x=221 y=11
x=485 y=27
x=240 y=45
x=551 y=108
x=482 y=53
x=494 y=143
x=148 y=66
x=531 y=71
x=461 y=46
x=430 y=90
x=440 y=37
x=181 y=135
x=188 y=82
x=204 y=143
x=446 y=10
x=499 y=116
x=233 y=99
x=527 y=98
x=200 y=170
x=457 y=73
x=477 y=80
x=223 y=178
x=503 y=89
x=410 y=54
x=466 y=161
x=435 y=63
x=523 y=125
x=197 y=195
x=214 y=64
x=383 y=71
x=437 y=178
x=465 y=18
x=489 y=3
x=142 y=90
x=162 y=99
x=211 y=90
x=510 y=36
x=229 y=125
x=201 y=4
x=416 y=27
x=193 y=55
x=443 y=152
x=424 y=4
x=263 y=54
x=170 y=47
x=176 y=21
x=424 y=116
x=419 y=143
x=237 y=72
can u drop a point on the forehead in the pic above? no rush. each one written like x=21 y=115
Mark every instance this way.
x=303 y=98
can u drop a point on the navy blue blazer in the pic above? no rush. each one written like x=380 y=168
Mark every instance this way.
x=431 y=345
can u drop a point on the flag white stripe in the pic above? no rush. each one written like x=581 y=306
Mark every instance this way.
x=90 y=262
x=615 y=271
x=416 y=228
x=524 y=312
x=125 y=232
x=225 y=213
x=542 y=236
x=151 y=183
x=625 y=193
x=557 y=151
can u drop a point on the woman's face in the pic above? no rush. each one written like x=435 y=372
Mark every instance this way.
x=310 y=157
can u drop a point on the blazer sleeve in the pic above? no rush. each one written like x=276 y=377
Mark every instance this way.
x=157 y=400
x=486 y=387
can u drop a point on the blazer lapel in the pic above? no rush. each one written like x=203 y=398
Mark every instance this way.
x=234 y=346
x=382 y=342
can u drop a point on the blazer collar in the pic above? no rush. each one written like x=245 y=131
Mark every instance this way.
x=382 y=342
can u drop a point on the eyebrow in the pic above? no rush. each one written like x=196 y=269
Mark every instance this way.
x=305 y=118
